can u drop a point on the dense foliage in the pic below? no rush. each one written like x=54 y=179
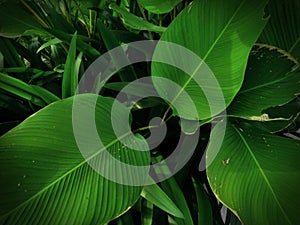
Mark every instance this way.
x=244 y=167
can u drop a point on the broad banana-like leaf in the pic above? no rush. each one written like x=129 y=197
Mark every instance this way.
x=283 y=28
x=256 y=174
x=221 y=33
x=15 y=21
x=45 y=179
x=270 y=80
x=157 y=6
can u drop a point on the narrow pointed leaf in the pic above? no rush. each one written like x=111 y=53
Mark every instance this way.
x=158 y=197
x=70 y=79
x=35 y=94
x=53 y=41
x=204 y=207
x=10 y=53
x=135 y=22
x=147 y=212
x=88 y=51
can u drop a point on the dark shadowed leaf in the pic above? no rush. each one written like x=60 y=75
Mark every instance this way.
x=270 y=80
x=283 y=28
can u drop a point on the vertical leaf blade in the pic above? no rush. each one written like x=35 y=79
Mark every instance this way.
x=70 y=78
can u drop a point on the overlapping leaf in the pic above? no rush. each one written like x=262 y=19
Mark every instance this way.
x=270 y=80
x=283 y=28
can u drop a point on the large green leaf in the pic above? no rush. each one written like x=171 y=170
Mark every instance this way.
x=222 y=34
x=44 y=178
x=14 y=20
x=158 y=6
x=255 y=174
x=270 y=80
x=283 y=28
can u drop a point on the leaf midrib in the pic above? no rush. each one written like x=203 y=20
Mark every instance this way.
x=265 y=178
x=65 y=174
x=264 y=85
x=206 y=55
x=294 y=45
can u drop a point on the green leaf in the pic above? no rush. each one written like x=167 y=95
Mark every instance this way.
x=10 y=53
x=128 y=74
x=44 y=178
x=135 y=22
x=88 y=51
x=254 y=173
x=70 y=78
x=159 y=7
x=290 y=111
x=270 y=80
x=173 y=190
x=158 y=197
x=204 y=207
x=283 y=28
x=15 y=21
x=147 y=212
x=36 y=95
x=44 y=94
x=222 y=37
x=53 y=41
x=139 y=89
